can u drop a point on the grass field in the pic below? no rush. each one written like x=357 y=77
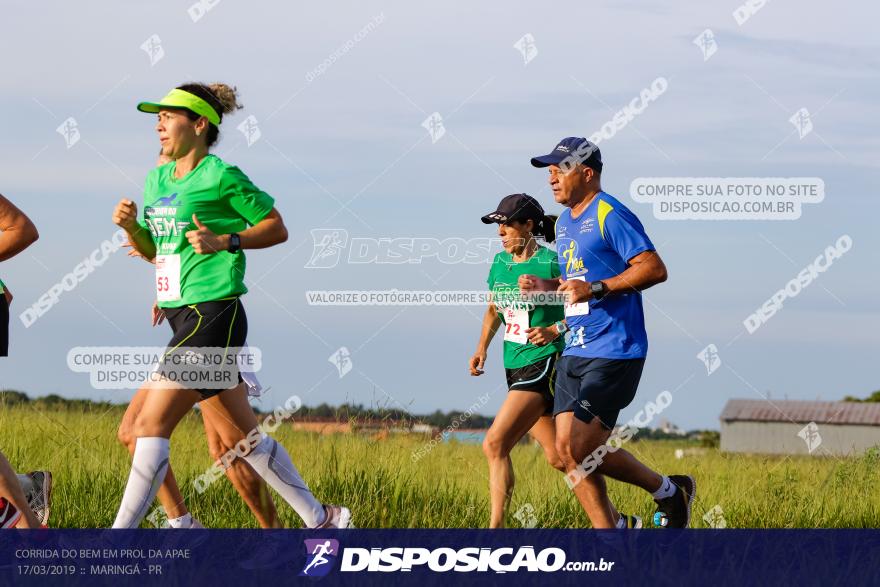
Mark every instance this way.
x=446 y=488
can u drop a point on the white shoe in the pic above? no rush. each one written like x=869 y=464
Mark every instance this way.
x=194 y=525
x=337 y=517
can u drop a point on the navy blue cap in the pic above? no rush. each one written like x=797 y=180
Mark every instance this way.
x=519 y=207
x=574 y=150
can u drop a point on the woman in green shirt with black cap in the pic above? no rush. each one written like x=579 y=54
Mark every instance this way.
x=532 y=342
x=199 y=214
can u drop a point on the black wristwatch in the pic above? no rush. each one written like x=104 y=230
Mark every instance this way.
x=234 y=243
x=598 y=289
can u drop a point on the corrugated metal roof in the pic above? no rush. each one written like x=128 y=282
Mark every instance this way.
x=802 y=411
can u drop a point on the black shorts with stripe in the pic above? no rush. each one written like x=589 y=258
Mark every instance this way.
x=4 y=325
x=219 y=325
x=538 y=377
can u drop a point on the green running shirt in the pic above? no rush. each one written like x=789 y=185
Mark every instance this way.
x=504 y=284
x=224 y=200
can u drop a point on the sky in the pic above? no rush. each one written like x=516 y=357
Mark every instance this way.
x=339 y=93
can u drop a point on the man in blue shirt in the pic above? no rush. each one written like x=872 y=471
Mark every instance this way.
x=606 y=260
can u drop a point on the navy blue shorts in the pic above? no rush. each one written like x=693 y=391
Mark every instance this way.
x=596 y=388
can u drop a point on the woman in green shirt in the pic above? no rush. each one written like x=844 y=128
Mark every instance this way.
x=199 y=214
x=532 y=342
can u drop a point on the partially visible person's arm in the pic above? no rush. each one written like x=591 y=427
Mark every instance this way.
x=537 y=284
x=268 y=232
x=491 y=322
x=125 y=216
x=17 y=232
x=645 y=270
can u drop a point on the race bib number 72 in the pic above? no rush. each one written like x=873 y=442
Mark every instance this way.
x=167 y=278
x=516 y=322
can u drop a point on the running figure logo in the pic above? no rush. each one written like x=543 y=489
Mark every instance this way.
x=342 y=359
x=434 y=125
x=706 y=42
x=250 y=129
x=810 y=435
x=70 y=131
x=802 y=122
x=710 y=358
x=321 y=556
x=328 y=244
x=153 y=48
x=526 y=46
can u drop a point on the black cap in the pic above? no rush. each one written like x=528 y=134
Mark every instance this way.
x=574 y=150
x=519 y=207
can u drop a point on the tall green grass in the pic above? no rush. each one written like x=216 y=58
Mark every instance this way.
x=447 y=488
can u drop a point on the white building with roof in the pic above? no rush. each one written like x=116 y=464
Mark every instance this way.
x=799 y=427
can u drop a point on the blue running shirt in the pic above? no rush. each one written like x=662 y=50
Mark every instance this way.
x=594 y=246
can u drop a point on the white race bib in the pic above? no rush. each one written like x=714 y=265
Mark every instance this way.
x=516 y=324
x=580 y=308
x=167 y=278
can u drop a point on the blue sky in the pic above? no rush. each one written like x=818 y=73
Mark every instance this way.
x=355 y=132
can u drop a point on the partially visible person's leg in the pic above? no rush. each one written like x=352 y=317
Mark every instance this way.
x=517 y=415
x=250 y=486
x=606 y=386
x=544 y=431
x=236 y=420
x=574 y=441
x=621 y=465
x=169 y=494
x=10 y=490
x=569 y=396
x=162 y=410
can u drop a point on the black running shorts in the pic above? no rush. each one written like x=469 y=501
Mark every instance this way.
x=220 y=325
x=4 y=325
x=538 y=377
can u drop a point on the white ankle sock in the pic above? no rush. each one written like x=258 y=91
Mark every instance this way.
x=148 y=468
x=27 y=484
x=184 y=521
x=273 y=464
x=667 y=489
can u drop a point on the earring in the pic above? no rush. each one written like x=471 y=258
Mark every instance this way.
x=198 y=133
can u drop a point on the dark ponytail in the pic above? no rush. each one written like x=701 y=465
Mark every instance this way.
x=546 y=228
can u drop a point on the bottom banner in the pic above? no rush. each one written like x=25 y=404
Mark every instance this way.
x=429 y=557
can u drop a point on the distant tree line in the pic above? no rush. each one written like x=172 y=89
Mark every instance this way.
x=349 y=412
x=874 y=397
x=437 y=418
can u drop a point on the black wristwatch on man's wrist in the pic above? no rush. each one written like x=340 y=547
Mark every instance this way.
x=598 y=289
x=234 y=243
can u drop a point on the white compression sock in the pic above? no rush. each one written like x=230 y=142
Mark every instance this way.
x=27 y=484
x=148 y=468
x=667 y=489
x=273 y=464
